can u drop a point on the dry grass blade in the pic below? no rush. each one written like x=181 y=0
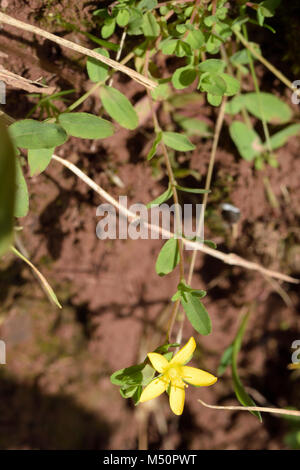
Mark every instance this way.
x=83 y=50
x=23 y=83
x=44 y=283
x=281 y=411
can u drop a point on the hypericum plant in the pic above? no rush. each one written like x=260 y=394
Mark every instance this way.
x=209 y=39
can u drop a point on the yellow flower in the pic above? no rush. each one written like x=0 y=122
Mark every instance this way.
x=176 y=374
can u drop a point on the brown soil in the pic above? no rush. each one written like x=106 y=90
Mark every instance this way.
x=55 y=389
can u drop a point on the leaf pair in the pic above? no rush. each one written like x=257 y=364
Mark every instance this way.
x=174 y=140
x=132 y=379
x=193 y=307
x=249 y=143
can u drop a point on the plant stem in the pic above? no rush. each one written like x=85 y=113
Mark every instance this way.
x=218 y=128
x=119 y=53
x=208 y=178
x=172 y=180
x=257 y=90
x=265 y=62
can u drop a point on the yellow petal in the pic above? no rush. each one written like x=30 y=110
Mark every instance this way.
x=185 y=353
x=198 y=377
x=158 y=361
x=154 y=389
x=177 y=395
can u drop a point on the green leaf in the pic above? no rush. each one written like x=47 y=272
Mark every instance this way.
x=235 y=105
x=32 y=134
x=164 y=348
x=212 y=83
x=184 y=287
x=7 y=189
x=128 y=392
x=214 y=100
x=38 y=160
x=209 y=243
x=135 y=22
x=212 y=65
x=268 y=7
x=240 y=392
x=195 y=39
x=183 y=77
x=22 y=198
x=178 y=141
x=232 y=84
x=97 y=71
x=274 y=110
x=150 y=26
x=193 y=126
x=161 y=92
x=140 y=374
x=213 y=44
x=128 y=376
x=162 y=198
x=153 y=149
x=168 y=46
x=168 y=257
x=196 y=313
x=147 y=4
x=108 y=28
x=86 y=126
x=226 y=360
x=101 y=42
x=123 y=17
x=182 y=49
x=119 y=107
x=192 y=190
x=242 y=57
x=136 y=397
x=247 y=140
x=280 y=138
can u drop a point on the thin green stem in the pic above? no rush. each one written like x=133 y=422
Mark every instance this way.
x=96 y=86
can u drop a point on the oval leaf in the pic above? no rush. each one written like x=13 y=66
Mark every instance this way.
x=97 y=71
x=177 y=141
x=31 y=134
x=273 y=109
x=119 y=107
x=196 y=313
x=168 y=257
x=183 y=77
x=38 y=160
x=279 y=139
x=247 y=140
x=86 y=126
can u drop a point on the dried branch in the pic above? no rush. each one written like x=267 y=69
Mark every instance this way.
x=230 y=258
x=82 y=50
x=17 y=81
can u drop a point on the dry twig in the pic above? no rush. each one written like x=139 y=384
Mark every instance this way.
x=76 y=47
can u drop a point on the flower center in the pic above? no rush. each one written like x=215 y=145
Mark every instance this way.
x=174 y=372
